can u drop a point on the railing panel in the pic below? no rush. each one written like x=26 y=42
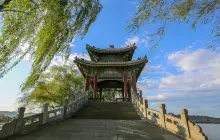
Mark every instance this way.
x=23 y=125
x=69 y=109
x=153 y=111
x=7 y=129
x=179 y=126
x=32 y=123
x=96 y=99
x=153 y=115
x=174 y=125
x=55 y=114
x=196 y=131
x=172 y=118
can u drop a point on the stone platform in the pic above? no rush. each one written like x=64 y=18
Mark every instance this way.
x=96 y=129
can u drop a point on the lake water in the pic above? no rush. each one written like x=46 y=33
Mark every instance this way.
x=212 y=131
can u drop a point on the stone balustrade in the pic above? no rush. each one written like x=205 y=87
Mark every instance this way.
x=97 y=99
x=23 y=125
x=182 y=127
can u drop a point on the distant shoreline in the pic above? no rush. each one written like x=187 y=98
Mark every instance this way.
x=200 y=119
x=205 y=123
x=195 y=118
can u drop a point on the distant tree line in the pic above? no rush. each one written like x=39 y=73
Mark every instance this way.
x=201 y=119
x=4 y=118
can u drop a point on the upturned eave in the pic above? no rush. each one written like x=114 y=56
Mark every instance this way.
x=95 y=52
x=96 y=65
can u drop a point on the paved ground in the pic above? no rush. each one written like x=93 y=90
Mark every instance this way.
x=92 y=129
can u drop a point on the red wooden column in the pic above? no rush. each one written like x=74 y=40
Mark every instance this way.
x=122 y=90
x=125 y=84
x=95 y=86
x=134 y=85
x=87 y=82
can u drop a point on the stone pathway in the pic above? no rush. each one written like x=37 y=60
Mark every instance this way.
x=92 y=129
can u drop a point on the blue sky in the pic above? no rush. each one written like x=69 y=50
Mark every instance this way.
x=181 y=72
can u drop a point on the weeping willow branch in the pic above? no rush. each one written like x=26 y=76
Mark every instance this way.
x=164 y=12
x=49 y=26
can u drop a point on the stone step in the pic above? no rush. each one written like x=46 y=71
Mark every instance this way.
x=107 y=117
x=108 y=110
x=108 y=113
x=110 y=103
x=101 y=105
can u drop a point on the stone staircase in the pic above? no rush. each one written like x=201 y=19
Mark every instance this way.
x=102 y=121
x=108 y=110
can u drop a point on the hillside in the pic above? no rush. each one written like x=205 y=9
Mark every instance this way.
x=13 y=113
x=201 y=119
x=8 y=113
x=4 y=118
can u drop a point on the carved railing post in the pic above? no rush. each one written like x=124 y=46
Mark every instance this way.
x=65 y=107
x=140 y=95
x=162 y=115
x=19 y=122
x=45 y=113
x=143 y=107
x=73 y=100
x=73 y=97
x=184 y=120
x=146 y=103
x=146 y=106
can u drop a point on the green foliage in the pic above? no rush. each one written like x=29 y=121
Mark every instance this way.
x=54 y=86
x=110 y=95
x=163 y=12
x=43 y=28
x=4 y=118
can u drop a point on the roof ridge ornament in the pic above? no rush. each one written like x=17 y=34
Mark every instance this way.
x=87 y=45
x=111 y=46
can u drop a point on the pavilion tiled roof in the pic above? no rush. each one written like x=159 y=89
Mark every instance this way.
x=111 y=50
x=111 y=64
x=139 y=64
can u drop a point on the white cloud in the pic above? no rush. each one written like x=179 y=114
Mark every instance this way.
x=72 y=44
x=200 y=71
x=59 y=60
x=133 y=2
x=195 y=87
x=147 y=83
x=154 y=69
x=156 y=57
x=197 y=60
x=150 y=79
x=24 y=47
x=189 y=47
x=133 y=40
x=158 y=97
x=197 y=103
x=137 y=40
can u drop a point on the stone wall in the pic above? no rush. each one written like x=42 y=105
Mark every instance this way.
x=182 y=127
x=24 y=125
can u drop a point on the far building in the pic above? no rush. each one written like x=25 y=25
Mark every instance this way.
x=111 y=68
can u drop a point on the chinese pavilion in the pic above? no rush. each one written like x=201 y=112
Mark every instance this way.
x=111 y=68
